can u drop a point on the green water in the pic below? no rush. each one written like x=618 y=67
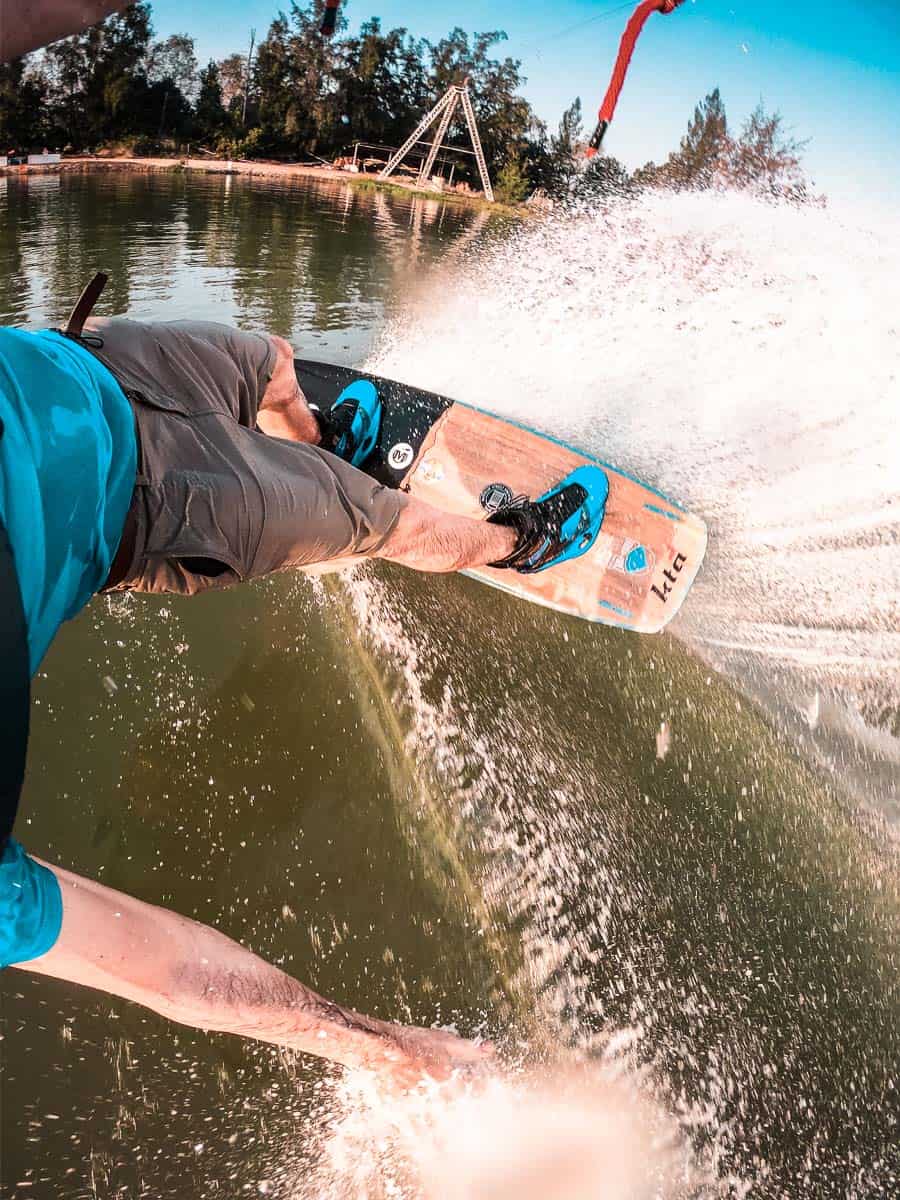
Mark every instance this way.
x=405 y=790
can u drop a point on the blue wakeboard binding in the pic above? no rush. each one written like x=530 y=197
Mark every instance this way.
x=351 y=426
x=561 y=525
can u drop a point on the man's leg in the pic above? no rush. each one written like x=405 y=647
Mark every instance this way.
x=429 y=539
x=425 y=538
x=239 y=487
x=283 y=411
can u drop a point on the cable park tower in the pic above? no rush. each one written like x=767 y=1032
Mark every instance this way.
x=456 y=95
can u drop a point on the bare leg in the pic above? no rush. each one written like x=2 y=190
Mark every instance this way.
x=425 y=538
x=283 y=411
x=428 y=539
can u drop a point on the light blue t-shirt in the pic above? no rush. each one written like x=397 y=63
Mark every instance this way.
x=68 y=457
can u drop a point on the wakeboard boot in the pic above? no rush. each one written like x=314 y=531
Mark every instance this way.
x=561 y=525
x=351 y=426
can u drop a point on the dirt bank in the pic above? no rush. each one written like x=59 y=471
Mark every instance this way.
x=259 y=170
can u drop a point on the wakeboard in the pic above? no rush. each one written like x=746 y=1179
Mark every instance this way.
x=640 y=566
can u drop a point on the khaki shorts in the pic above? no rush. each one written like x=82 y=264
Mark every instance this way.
x=217 y=501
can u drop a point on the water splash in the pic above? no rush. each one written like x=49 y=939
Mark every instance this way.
x=745 y=358
x=519 y=1137
x=722 y=350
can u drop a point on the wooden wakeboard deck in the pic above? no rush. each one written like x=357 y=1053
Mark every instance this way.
x=648 y=551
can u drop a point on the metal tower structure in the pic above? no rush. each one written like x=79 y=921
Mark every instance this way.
x=457 y=94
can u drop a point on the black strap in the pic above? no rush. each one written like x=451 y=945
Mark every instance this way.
x=15 y=679
x=84 y=305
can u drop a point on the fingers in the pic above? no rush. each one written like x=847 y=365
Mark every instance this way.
x=439 y=1055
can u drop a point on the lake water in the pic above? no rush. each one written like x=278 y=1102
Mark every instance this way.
x=672 y=860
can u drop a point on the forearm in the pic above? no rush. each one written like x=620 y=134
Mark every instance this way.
x=194 y=975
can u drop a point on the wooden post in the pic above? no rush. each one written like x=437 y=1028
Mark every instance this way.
x=429 y=118
x=428 y=165
x=457 y=93
x=247 y=77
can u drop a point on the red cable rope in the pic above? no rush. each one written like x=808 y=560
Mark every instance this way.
x=636 y=23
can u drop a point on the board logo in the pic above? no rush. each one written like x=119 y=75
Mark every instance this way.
x=670 y=577
x=631 y=558
x=495 y=496
x=400 y=456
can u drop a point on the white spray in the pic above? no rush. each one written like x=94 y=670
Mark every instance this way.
x=743 y=357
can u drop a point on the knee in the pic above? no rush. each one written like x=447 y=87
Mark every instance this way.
x=283 y=380
x=284 y=351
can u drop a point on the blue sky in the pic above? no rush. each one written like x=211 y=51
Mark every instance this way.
x=833 y=69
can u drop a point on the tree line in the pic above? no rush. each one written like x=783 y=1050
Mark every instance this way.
x=299 y=96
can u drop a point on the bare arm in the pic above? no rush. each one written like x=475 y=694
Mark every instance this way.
x=194 y=975
x=25 y=27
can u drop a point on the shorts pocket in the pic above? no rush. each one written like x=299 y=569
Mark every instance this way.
x=195 y=516
x=159 y=403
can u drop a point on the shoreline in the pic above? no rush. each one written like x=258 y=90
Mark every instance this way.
x=256 y=169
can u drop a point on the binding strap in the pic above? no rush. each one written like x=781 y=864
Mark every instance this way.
x=84 y=306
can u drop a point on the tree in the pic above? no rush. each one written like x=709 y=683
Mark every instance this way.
x=174 y=60
x=537 y=160
x=605 y=178
x=232 y=77
x=649 y=175
x=381 y=87
x=505 y=119
x=512 y=184
x=23 y=98
x=271 y=84
x=295 y=86
x=210 y=116
x=765 y=156
x=67 y=68
x=117 y=82
x=566 y=150
x=702 y=158
x=167 y=112
x=98 y=80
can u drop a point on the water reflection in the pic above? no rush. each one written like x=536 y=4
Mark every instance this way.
x=290 y=258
